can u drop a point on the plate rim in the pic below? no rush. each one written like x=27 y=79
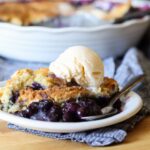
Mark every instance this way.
x=26 y=29
x=67 y=127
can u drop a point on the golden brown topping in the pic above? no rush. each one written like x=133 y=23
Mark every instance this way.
x=29 y=13
x=109 y=86
x=60 y=93
x=56 y=93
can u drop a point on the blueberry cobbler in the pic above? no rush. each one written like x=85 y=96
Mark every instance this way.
x=66 y=13
x=72 y=87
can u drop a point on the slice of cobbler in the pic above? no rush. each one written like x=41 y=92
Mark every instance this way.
x=42 y=95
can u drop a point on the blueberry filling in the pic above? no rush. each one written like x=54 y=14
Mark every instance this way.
x=36 y=86
x=88 y=107
x=45 y=105
x=69 y=111
x=14 y=96
x=80 y=2
x=55 y=113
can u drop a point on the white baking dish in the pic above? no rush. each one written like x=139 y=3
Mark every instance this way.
x=45 y=44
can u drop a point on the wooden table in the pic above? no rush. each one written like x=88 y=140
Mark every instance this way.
x=138 y=139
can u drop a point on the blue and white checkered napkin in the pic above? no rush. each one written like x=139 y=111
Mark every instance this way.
x=130 y=67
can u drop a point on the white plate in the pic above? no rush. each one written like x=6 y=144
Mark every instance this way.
x=132 y=105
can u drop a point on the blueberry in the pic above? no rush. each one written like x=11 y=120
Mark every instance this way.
x=14 y=96
x=33 y=107
x=69 y=110
x=80 y=2
x=82 y=112
x=71 y=106
x=88 y=106
x=45 y=105
x=38 y=110
x=36 y=86
x=55 y=113
x=85 y=102
x=68 y=117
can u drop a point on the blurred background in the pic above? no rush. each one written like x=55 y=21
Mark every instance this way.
x=39 y=30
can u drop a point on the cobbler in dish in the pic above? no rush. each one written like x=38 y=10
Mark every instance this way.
x=64 y=13
x=79 y=90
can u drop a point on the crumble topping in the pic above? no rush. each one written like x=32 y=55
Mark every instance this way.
x=56 y=93
x=34 y=12
x=30 y=12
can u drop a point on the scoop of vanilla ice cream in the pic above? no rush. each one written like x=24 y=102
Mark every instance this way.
x=81 y=64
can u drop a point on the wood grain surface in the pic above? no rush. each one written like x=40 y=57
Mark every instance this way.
x=138 y=139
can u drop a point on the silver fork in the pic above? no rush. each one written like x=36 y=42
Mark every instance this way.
x=110 y=110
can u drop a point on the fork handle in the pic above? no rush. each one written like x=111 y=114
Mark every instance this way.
x=127 y=88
